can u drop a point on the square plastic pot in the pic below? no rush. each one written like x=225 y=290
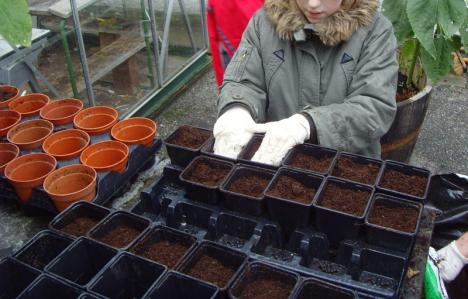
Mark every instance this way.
x=408 y=170
x=247 y=153
x=81 y=261
x=315 y=288
x=15 y=277
x=315 y=152
x=242 y=202
x=200 y=191
x=116 y=220
x=127 y=276
x=227 y=257
x=388 y=237
x=42 y=249
x=256 y=271
x=338 y=225
x=288 y=212
x=207 y=150
x=232 y=231
x=179 y=286
x=181 y=155
x=360 y=160
x=83 y=215
x=48 y=287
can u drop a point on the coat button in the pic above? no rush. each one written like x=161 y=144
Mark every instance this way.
x=237 y=96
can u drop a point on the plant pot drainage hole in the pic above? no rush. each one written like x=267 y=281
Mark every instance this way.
x=365 y=173
x=403 y=218
x=80 y=226
x=190 y=137
x=290 y=188
x=349 y=201
x=409 y=184
x=213 y=270
x=119 y=236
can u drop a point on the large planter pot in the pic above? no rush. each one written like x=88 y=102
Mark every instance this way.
x=13 y=94
x=399 y=142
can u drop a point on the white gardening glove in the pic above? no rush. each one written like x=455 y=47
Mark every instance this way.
x=232 y=131
x=451 y=261
x=280 y=137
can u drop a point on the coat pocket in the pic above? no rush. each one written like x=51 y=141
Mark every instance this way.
x=348 y=70
x=270 y=69
x=236 y=68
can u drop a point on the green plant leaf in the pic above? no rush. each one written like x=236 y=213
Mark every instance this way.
x=15 y=24
x=422 y=15
x=436 y=68
x=406 y=53
x=395 y=11
x=451 y=14
x=464 y=33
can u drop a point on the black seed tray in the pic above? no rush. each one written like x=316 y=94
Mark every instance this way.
x=46 y=286
x=15 y=277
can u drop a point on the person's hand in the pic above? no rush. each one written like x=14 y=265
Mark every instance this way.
x=451 y=258
x=232 y=131
x=280 y=137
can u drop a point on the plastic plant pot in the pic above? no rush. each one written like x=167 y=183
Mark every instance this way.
x=203 y=176
x=8 y=93
x=69 y=184
x=232 y=231
x=207 y=150
x=261 y=279
x=120 y=229
x=127 y=276
x=341 y=217
x=42 y=249
x=66 y=144
x=315 y=288
x=46 y=286
x=413 y=182
x=30 y=134
x=357 y=168
x=61 y=112
x=15 y=277
x=107 y=155
x=214 y=264
x=29 y=171
x=179 y=286
x=29 y=104
x=246 y=155
x=8 y=119
x=79 y=218
x=404 y=216
x=185 y=143
x=309 y=157
x=135 y=130
x=245 y=179
x=81 y=261
x=290 y=195
x=8 y=152
x=164 y=245
x=96 y=120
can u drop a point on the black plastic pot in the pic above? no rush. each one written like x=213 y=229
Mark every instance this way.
x=88 y=296
x=199 y=191
x=388 y=237
x=117 y=219
x=207 y=150
x=179 y=286
x=81 y=209
x=81 y=261
x=257 y=270
x=242 y=202
x=339 y=225
x=406 y=169
x=181 y=155
x=247 y=153
x=358 y=160
x=189 y=218
x=232 y=231
x=290 y=213
x=158 y=234
x=48 y=287
x=315 y=288
x=15 y=277
x=42 y=249
x=315 y=151
x=228 y=257
x=127 y=276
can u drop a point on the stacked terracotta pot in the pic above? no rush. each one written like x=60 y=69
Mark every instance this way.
x=38 y=132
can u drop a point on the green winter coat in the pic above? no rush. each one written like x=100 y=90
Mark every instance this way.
x=342 y=73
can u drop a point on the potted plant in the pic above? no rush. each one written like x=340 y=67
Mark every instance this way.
x=427 y=33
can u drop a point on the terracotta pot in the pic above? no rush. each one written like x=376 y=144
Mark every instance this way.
x=136 y=130
x=8 y=88
x=96 y=120
x=8 y=119
x=29 y=104
x=30 y=134
x=69 y=184
x=29 y=171
x=61 y=112
x=106 y=156
x=8 y=152
x=66 y=144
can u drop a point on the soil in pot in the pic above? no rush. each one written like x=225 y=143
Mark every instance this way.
x=251 y=185
x=7 y=94
x=166 y=252
x=365 y=173
x=120 y=236
x=190 y=137
x=210 y=174
x=266 y=288
x=405 y=183
x=290 y=188
x=402 y=218
x=212 y=270
x=253 y=148
x=346 y=200
x=310 y=162
x=402 y=93
x=80 y=226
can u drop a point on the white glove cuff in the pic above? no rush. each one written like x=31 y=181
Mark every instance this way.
x=302 y=120
x=452 y=261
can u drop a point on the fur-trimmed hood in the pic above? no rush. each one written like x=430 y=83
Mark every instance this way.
x=352 y=15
